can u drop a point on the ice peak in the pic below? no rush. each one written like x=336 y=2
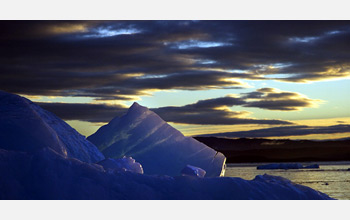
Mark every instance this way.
x=136 y=108
x=136 y=105
x=160 y=148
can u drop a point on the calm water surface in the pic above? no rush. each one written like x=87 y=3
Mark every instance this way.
x=331 y=178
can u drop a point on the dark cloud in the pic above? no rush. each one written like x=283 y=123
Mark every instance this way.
x=282 y=105
x=204 y=112
x=285 y=131
x=83 y=111
x=274 y=99
x=211 y=111
x=120 y=59
x=215 y=111
x=201 y=112
x=190 y=115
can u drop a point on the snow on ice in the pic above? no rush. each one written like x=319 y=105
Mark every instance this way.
x=122 y=164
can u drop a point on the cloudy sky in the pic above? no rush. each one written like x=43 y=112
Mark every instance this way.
x=277 y=79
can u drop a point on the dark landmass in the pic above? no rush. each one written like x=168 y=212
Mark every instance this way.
x=246 y=150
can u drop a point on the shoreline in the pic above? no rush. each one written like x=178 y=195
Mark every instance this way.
x=303 y=163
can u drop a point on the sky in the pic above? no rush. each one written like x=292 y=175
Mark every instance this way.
x=270 y=79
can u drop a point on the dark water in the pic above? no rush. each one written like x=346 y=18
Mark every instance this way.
x=331 y=178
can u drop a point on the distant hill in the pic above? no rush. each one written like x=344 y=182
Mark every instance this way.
x=246 y=150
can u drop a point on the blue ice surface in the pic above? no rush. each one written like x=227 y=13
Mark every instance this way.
x=25 y=126
x=46 y=174
x=160 y=148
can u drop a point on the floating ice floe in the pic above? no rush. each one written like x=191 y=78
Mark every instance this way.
x=286 y=166
x=193 y=171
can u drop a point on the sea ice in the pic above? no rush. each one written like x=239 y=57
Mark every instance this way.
x=122 y=164
x=160 y=148
x=193 y=171
x=286 y=166
x=25 y=126
x=45 y=174
x=41 y=157
x=312 y=166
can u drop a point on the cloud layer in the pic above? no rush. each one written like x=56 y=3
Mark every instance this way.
x=285 y=131
x=215 y=111
x=274 y=99
x=122 y=60
x=84 y=111
x=188 y=114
